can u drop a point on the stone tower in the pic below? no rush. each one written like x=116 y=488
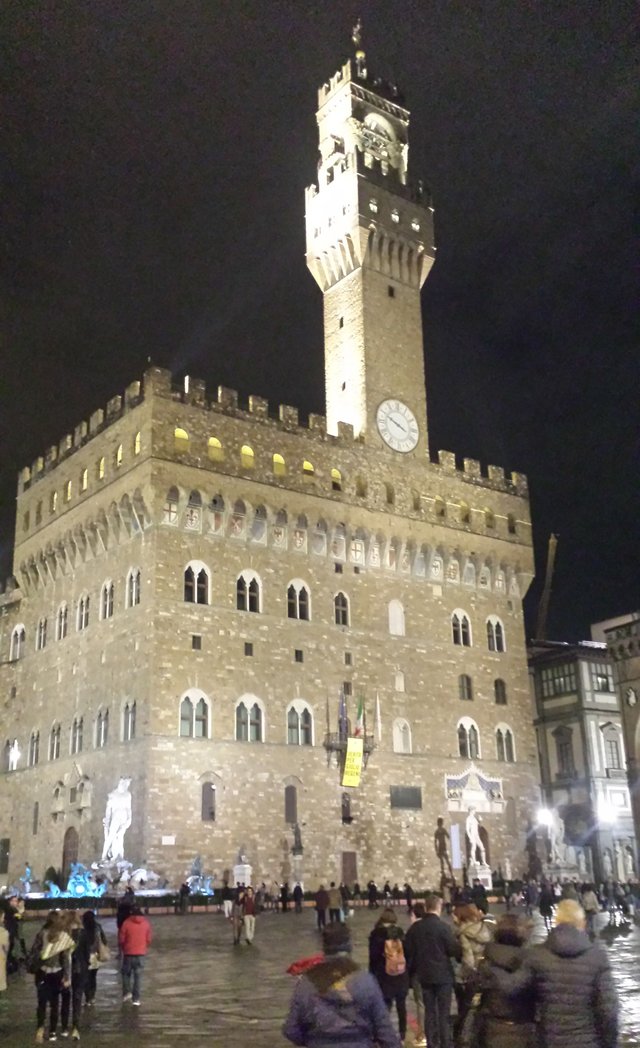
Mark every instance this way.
x=370 y=248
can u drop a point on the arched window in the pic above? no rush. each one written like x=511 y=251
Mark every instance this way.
x=440 y=507
x=41 y=635
x=107 y=597
x=500 y=692
x=505 y=750
x=495 y=634
x=180 y=440
x=489 y=519
x=54 y=743
x=461 y=628
x=68 y=491
x=465 y=513
x=76 y=735
x=279 y=466
x=298 y=601
x=170 y=509
x=84 y=479
x=215 y=451
x=129 y=722
x=196 y=583
x=336 y=480
x=398 y=680
x=341 y=609
x=11 y=755
x=290 y=805
x=396 y=618
x=194 y=716
x=361 y=488
x=62 y=617
x=118 y=455
x=137 y=443
x=389 y=494
x=34 y=748
x=102 y=729
x=307 y=468
x=401 y=736
x=100 y=468
x=249 y=721
x=248 y=592
x=465 y=687
x=186 y=717
x=247 y=457
x=208 y=802
x=612 y=748
x=18 y=640
x=468 y=739
x=133 y=587
x=83 y=612
x=53 y=502
x=299 y=724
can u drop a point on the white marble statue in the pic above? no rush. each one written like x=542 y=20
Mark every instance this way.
x=630 y=866
x=556 y=838
x=117 y=820
x=607 y=864
x=472 y=827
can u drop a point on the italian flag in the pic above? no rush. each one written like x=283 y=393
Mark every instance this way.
x=359 y=728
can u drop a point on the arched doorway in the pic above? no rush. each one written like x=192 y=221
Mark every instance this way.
x=69 y=852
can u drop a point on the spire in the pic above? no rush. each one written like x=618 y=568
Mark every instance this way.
x=361 y=58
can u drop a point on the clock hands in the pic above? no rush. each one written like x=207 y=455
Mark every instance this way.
x=398 y=425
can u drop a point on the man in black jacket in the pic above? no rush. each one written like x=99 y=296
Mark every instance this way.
x=429 y=946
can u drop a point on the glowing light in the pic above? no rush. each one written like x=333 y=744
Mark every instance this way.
x=544 y=817
x=606 y=812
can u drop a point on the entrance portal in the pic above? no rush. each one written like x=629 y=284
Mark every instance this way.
x=349 y=868
x=69 y=852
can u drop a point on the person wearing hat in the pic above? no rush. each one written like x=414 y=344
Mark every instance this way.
x=335 y=1002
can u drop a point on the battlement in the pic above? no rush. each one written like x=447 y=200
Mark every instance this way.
x=375 y=86
x=158 y=382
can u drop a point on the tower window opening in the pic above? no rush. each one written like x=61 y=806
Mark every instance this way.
x=180 y=439
x=341 y=322
x=391 y=291
x=247 y=457
x=336 y=480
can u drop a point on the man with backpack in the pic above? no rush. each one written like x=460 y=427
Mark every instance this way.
x=429 y=947
x=388 y=965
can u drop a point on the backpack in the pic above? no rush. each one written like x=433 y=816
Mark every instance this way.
x=33 y=960
x=394 y=959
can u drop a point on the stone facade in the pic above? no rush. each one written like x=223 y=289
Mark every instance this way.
x=232 y=556
x=623 y=641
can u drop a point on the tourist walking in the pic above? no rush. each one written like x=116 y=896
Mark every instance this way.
x=546 y=903
x=335 y=1003
x=284 y=896
x=50 y=959
x=388 y=965
x=98 y=953
x=134 y=939
x=71 y=996
x=237 y=915
x=298 y=897
x=322 y=905
x=429 y=948
x=473 y=934
x=420 y=1041
x=228 y=895
x=335 y=903
x=591 y=907
x=502 y=1021
x=571 y=981
x=249 y=915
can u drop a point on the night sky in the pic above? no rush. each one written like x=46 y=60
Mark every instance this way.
x=155 y=160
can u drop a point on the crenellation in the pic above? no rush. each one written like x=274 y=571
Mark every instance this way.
x=258 y=406
x=195 y=392
x=520 y=484
x=447 y=460
x=288 y=416
x=496 y=475
x=114 y=408
x=50 y=456
x=345 y=432
x=227 y=398
x=96 y=421
x=80 y=434
x=318 y=424
x=132 y=394
x=65 y=445
x=472 y=468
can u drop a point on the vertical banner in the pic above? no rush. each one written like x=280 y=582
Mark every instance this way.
x=353 y=762
x=456 y=853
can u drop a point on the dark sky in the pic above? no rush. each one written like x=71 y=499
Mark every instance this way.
x=155 y=160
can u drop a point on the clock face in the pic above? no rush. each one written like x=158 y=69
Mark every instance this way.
x=397 y=425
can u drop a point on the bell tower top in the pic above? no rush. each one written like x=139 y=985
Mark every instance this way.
x=370 y=248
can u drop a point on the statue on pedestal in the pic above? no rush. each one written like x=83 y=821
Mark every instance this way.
x=472 y=828
x=557 y=847
x=440 y=841
x=117 y=820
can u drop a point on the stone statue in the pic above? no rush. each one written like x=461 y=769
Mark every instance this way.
x=607 y=863
x=472 y=827
x=557 y=846
x=507 y=869
x=630 y=867
x=440 y=841
x=582 y=861
x=619 y=860
x=117 y=820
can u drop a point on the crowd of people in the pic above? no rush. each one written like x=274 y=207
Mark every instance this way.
x=446 y=953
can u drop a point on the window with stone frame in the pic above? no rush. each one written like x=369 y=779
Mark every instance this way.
x=612 y=749
x=129 y=722
x=500 y=692
x=505 y=749
x=563 y=736
x=34 y=749
x=248 y=592
x=18 y=641
x=558 y=680
x=298 y=601
x=290 y=805
x=208 y=802
x=107 y=600
x=249 y=722
x=54 y=743
x=468 y=739
x=102 y=729
x=495 y=634
x=77 y=731
x=62 y=620
x=461 y=629
x=194 y=717
x=170 y=509
x=133 y=587
x=196 y=584
x=41 y=635
x=401 y=736
x=601 y=676
x=465 y=687
x=341 y=609
x=83 y=612
x=299 y=724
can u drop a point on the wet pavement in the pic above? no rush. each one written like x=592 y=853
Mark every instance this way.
x=200 y=991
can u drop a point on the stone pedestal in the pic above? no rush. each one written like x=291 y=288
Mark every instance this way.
x=481 y=872
x=242 y=872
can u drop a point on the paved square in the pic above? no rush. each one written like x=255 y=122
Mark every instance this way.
x=200 y=990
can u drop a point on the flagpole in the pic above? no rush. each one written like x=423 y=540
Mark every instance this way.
x=378 y=719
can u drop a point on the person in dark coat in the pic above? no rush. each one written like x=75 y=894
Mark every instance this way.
x=505 y=1022
x=322 y=905
x=394 y=987
x=125 y=906
x=546 y=902
x=298 y=897
x=429 y=947
x=570 y=979
x=335 y=1003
